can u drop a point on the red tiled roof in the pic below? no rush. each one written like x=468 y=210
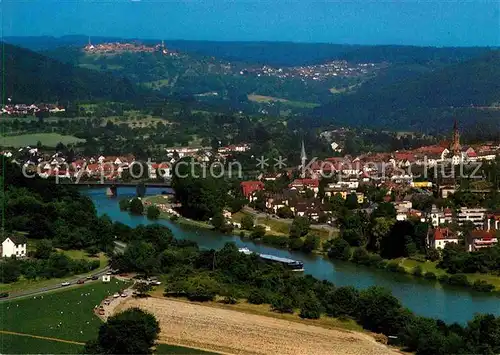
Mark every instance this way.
x=305 y=182
x=482 y=234
x=443 y=234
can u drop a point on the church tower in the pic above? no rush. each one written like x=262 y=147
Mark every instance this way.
x=455 y=146
x=303 y=159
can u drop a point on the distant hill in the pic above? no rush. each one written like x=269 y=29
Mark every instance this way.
x=31 y=77
x=278 y=53
x=424 y=101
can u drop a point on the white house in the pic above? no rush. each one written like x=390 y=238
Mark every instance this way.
x=14 y=245
x=441 y=237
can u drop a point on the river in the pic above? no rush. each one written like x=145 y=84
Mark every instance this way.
x=426 y=298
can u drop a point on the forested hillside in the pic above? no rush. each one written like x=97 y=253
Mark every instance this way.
x=423 y=101
x=31 y=77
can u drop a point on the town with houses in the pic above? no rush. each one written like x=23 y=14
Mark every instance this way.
x=338 y=68
x=21 y=110
x=305 y=192
x=126 y=47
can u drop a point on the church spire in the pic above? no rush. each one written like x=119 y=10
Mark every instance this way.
x=455 y=145
x=303 y=156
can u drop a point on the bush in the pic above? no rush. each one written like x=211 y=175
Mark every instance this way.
x=136 y=207
x=124 y=204
x=174 y=217
x=361 y=256
x=482 y=286
x=311 y=308
x=296 y=243
x=257 y=296
x=395 y=267
x=258 y=232
x=417 y=270
x=247 y=222
x=458 y=280
x=443 y=278
x=430 y=275
x=339 y=249
x=153 y=212
x=282 y=305
x=280 y=241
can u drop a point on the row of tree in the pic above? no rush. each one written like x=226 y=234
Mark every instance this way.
x=202 y=275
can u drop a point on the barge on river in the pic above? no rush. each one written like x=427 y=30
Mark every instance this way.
x=291 y=264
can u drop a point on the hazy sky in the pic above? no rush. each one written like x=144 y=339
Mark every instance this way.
x=434 y=22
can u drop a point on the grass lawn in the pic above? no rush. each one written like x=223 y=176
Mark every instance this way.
x=431 y=266
x=18 y=344
x=157 y=84
x=47 y=139
x=174 y=349
x=64 y=314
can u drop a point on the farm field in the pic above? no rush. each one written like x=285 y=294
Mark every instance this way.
x=64 y=314
x=173 y=349
x=187 y=324
x=267 y=99
x=47 y=139
x=18 y=344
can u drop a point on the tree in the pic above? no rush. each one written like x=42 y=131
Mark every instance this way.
x=11 y=270
x=136 y=206
x=284 y=212
x=351 y=201
x=343 y=302
x=300 y=227
x=43 y=249
x=153 y=212
x=311 y=307
x=339 y=249
x=258 y=232
x=218 y=221
x=379 y=311
x=247 y=222
x=130 y=332
x=311 y=242
x=124 y=204
x=380 y=227
x=143 y=288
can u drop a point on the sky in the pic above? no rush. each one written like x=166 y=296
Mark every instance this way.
x=405 y=22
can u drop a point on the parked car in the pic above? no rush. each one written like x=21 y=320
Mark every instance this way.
x=116 y=295
x=65 y=284
x=101 y=312
x=80 y=282
x=123 y=294
x=156 y=283
x=4 y=294
x=95 y=277
x=89 y=277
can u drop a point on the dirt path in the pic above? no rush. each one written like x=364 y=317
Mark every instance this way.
x=232 y=332
x=41 y=337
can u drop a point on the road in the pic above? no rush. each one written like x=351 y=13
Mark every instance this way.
x=72 y=283
x=119 y=248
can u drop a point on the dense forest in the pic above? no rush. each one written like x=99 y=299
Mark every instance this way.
x=430 y=99
x=30 y=77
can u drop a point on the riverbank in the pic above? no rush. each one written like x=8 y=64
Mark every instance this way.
x=277 y=236
x=187 y=323
x=430 y=299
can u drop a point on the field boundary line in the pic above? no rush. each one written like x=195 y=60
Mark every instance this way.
x=41 y=337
